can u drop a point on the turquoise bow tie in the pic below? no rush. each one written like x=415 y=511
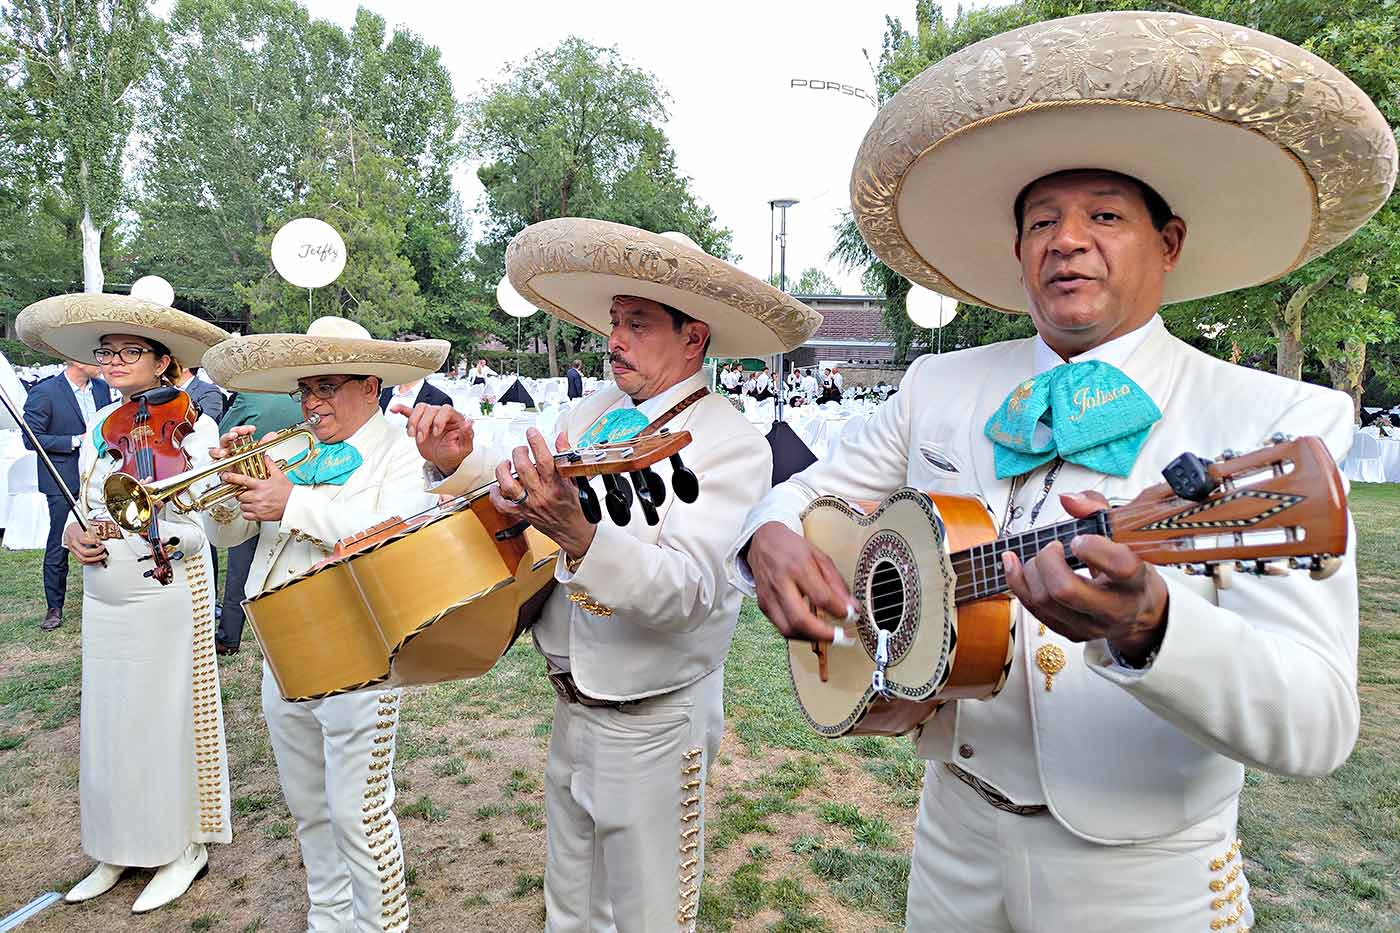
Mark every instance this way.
x=1087 y=413
x=328 y=464
x=620 y=424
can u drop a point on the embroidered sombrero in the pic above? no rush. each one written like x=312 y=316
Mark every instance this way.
x=72 y=326
x=330 y=346
x=573 y=267
x=1270 y=155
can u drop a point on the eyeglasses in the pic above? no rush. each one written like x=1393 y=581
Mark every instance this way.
x=322 y=390
x=128 y=355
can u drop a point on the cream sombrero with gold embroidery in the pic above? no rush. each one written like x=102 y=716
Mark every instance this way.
x=72 y=326
x=1270 y=155
x=330 y=346
x=573 y=267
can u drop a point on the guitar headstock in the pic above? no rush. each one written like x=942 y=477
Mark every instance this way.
x=635 y=457
x=1273 y=509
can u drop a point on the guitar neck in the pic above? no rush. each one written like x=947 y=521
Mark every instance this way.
x=979 y=569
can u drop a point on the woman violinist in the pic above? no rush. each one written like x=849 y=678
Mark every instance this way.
x=153 y=777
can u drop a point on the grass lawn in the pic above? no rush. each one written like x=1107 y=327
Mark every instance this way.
x=786 y=852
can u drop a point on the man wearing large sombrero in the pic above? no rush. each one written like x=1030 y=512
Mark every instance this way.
x=334 y=755
x=1086 y=171
x=635 y=633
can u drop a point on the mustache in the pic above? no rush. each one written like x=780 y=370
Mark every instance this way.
x=618 y=358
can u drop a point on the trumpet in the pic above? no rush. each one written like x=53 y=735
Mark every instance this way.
x=132 y=504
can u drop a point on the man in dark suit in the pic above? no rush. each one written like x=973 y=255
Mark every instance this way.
x=405 y=394
x=207 y=397
x=266 y=412
x=60 y=410
x=575 y=377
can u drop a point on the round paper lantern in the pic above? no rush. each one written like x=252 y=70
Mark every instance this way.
x=153 y=288
x=308 y=252
x=511 y=301
x=929 y=309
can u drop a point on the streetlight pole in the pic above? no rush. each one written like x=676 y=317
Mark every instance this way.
x=781 y=204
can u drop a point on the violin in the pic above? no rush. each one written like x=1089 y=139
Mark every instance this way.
x=147 y=432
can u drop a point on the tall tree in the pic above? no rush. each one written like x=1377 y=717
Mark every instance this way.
x=81 y=61
x=353 y=185
x=814 y=281
x=576 y=131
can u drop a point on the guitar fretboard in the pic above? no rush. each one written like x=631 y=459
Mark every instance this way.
x=979 y=569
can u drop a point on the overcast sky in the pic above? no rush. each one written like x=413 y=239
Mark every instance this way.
x=740 y=130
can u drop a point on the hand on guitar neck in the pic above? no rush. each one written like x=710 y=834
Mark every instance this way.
x=535 y=492
x=1124 y=602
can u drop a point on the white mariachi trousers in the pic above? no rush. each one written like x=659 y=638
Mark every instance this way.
x=977 y=869
x=624 y=797
x=335 y=759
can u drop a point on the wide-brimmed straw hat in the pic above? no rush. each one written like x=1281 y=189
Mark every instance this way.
x=573 y=267
x=1269 y=154
x=330 y=346
x=72 y=326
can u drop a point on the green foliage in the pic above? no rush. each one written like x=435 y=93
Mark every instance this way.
x=72 y=68
x=575 y=131
x=813 y=281
x=20 y=355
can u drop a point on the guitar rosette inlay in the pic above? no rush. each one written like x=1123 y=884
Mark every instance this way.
x=887 y=580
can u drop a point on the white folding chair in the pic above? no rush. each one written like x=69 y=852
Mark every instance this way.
x=27 y=519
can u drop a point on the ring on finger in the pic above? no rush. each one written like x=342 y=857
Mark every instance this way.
x=524 y=494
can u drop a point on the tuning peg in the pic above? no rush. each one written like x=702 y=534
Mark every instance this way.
x=1224 y=574
x=1324 y=565
x=1278 y=437
x=1270 y=568
x=655 y=484
x=1227 y=454
x=588 y=501
x=618 y=499
x=685 y=483
x=644 y=500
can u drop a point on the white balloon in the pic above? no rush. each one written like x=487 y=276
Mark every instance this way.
x=153 y=288
x=511 y=301
x=929 y=309
x=308 y=252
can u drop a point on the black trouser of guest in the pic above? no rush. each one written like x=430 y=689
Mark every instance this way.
x=240 y=561
x=55 y=554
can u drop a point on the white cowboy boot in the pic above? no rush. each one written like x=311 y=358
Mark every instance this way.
x=172 y=880
x=101 y=880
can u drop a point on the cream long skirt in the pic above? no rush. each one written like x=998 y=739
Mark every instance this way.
x=154 y=769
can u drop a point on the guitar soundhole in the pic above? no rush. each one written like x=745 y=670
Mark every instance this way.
x=886 y=596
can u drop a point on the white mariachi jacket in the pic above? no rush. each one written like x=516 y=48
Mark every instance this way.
x=388 y=483
x=1262 y=673
x=649 y=609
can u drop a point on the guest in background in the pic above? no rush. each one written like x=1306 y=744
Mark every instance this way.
x=59 y=410
x=207 y=397
x=480 y=372
x=575 y=377
x=408 y=395
x=267 y=412
x=809 y=385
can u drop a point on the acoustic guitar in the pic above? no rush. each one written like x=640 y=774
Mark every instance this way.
x=935 y=620
x=443 y=594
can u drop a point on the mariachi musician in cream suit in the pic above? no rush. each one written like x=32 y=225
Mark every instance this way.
x=1106 y=798
x=635 y=633
x=335 y=755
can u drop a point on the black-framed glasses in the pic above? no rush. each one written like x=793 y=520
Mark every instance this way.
x=128 y=355
x=321 y=390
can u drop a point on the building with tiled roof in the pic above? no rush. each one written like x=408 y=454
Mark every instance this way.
x=852 y=329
